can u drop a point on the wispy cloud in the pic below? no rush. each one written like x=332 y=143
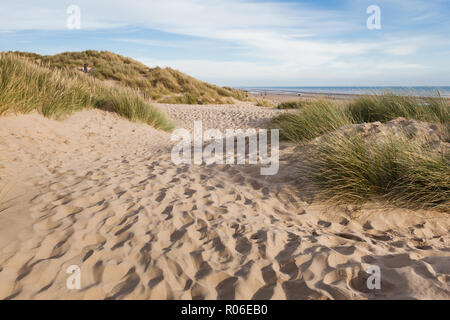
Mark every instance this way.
x=293 y=41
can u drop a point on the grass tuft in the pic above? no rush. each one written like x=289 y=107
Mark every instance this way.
x=294 y=104
x=388 y=106
x=310 y=122
x=155 y=83
x=27 y=87
x=318 y=117
x=352 y=169
x=264 y=103
x=401 y=171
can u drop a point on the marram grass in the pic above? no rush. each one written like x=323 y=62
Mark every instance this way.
x=323 y=116
x=264 y=103
x=159 y=84
x=311 y=121
x=349 y=169
x=27 y=87
x=294 y=104
x=388 y=106
x=398 y=170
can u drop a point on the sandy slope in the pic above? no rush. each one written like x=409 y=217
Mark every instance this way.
x=238 y=116
x=100 y=192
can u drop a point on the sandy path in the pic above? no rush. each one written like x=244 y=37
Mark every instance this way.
x=100 y=192
x=238 y=116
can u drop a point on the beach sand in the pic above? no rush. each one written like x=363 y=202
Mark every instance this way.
x=277 y=98
x=100 y=192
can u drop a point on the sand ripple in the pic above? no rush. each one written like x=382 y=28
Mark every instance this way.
x=99 y=192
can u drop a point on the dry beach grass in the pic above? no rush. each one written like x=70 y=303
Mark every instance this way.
x=163 y=85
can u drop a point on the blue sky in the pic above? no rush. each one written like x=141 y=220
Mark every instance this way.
x=249 y=43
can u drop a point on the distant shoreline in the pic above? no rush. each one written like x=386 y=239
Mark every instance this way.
x=277 y=95
x=334 y=91
x=284 y=96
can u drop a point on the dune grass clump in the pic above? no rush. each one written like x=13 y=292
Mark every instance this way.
x=128 y=104
x=318 y=117
x=155 y=83
x=401 y=171
x=194 y=99
x=310 y=122
x=294 y=104
x=388 y=106
x=348 y=168
x=264 y=103
x=27 y=87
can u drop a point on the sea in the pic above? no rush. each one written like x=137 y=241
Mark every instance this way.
x=412 y=91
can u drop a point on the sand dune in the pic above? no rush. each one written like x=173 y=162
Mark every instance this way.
x=100 y=192
x=238 y=116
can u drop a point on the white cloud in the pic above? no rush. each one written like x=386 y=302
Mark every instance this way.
x=195 y=17
x=422 y=17
x=393 y=65
x=401 y=50
x=256 y=74
x=282 y=37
